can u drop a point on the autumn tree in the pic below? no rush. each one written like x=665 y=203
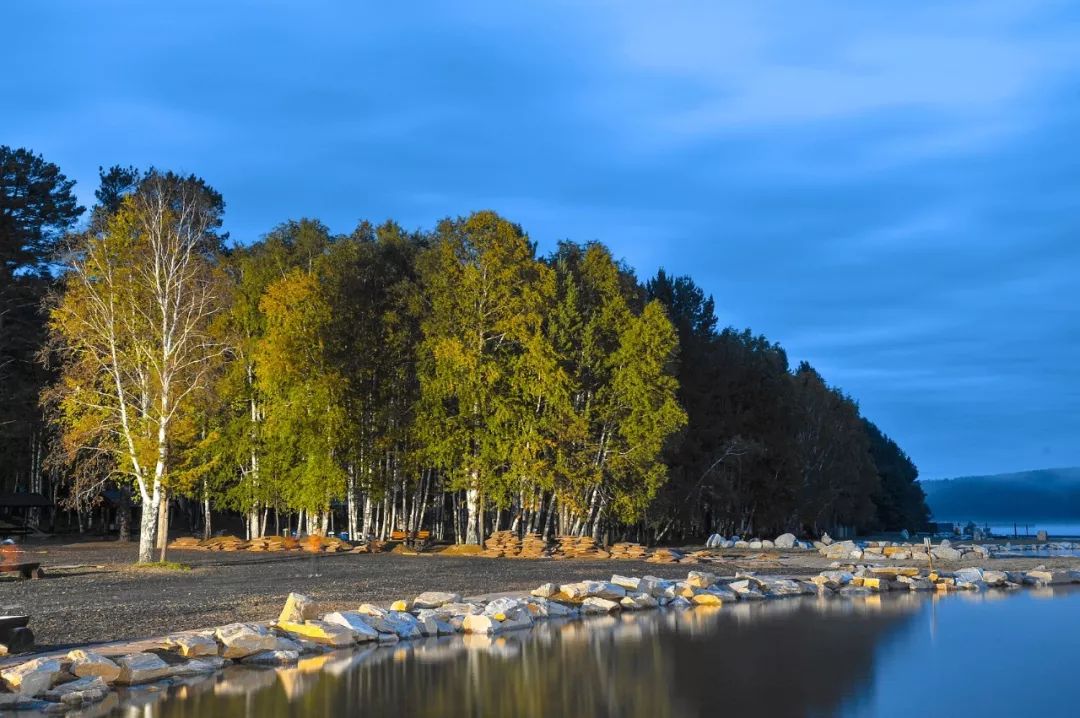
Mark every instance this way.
x=131 y=329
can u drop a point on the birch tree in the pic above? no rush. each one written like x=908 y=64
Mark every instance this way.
x=486 y=298
x=131 y=327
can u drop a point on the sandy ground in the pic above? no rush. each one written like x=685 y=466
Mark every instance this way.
x=91 y=594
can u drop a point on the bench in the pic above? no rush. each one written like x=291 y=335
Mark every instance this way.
x=25 y=570
x=402 y=535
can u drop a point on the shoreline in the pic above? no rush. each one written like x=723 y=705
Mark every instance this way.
x=85 y=676
x=104 y=600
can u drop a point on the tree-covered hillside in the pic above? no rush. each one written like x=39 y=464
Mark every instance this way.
x=1046 y=494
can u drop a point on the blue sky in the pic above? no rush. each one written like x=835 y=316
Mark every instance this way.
x=890 y=192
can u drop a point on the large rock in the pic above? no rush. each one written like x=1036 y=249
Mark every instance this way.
x=596 y=604
x=273 y=658
x=141 y=668
x=630 y=583
x=298 y=608
x=193 y=645
x=87 y=664
x=1044 y=577
x=401 y=624
x=546 y=590
x=705 y=598
x=480 y=624
x=638 y=601
x=355 y=622
x=243 y=639
x=946 y=553
x=434 y=599
x=701 y=579
x=321 y=632
x=785 y=541
x=198 y=666
x=545 y=608
x=80 y=690
x=32 y=677
x=596 y=589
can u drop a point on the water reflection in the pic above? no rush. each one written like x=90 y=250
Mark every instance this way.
x=793 y=657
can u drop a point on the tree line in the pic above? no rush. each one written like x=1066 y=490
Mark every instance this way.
x=389 y=379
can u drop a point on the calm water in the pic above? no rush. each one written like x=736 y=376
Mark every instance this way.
x=992 y=654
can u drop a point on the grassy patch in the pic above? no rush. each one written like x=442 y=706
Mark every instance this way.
x=163 y=566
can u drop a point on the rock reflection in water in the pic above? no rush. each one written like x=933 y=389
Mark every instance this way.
x=778 y=658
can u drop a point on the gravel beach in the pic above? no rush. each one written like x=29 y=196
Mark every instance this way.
x=91 y=594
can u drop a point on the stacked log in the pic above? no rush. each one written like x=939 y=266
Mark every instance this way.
x=579 y=547
x=533 y=546
x=501 y=544
x=629 y=550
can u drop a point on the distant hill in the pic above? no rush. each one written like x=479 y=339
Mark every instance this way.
x=1046 y=494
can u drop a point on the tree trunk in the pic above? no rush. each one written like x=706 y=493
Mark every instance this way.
x=123 y=516
x=473 y=518
x=148 y=525
x=208 y=529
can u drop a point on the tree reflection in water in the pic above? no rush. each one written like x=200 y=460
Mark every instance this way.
x=797 y=657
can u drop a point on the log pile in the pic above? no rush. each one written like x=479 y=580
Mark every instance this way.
x=578 y=547
x=628 y=550
x=501 y=544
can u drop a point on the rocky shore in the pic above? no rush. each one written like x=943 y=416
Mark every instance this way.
x=80 y=678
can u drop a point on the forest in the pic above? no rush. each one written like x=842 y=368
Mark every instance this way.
x=449 y=378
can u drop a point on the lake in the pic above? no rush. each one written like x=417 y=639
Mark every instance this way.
x=987 y=654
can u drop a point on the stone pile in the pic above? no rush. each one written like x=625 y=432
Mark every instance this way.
x=784 y=541
x=273 y=544
x=628 y=550
x=902 y=551
x=502 y=544
x=861 y=579
x=665 y=555
x=51 y=684
x=578 y=547
x=533 y=545
x=311 y=544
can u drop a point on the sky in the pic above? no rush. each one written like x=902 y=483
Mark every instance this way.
x=889 y=190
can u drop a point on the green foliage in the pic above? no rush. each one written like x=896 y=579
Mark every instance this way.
x=411 y=370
